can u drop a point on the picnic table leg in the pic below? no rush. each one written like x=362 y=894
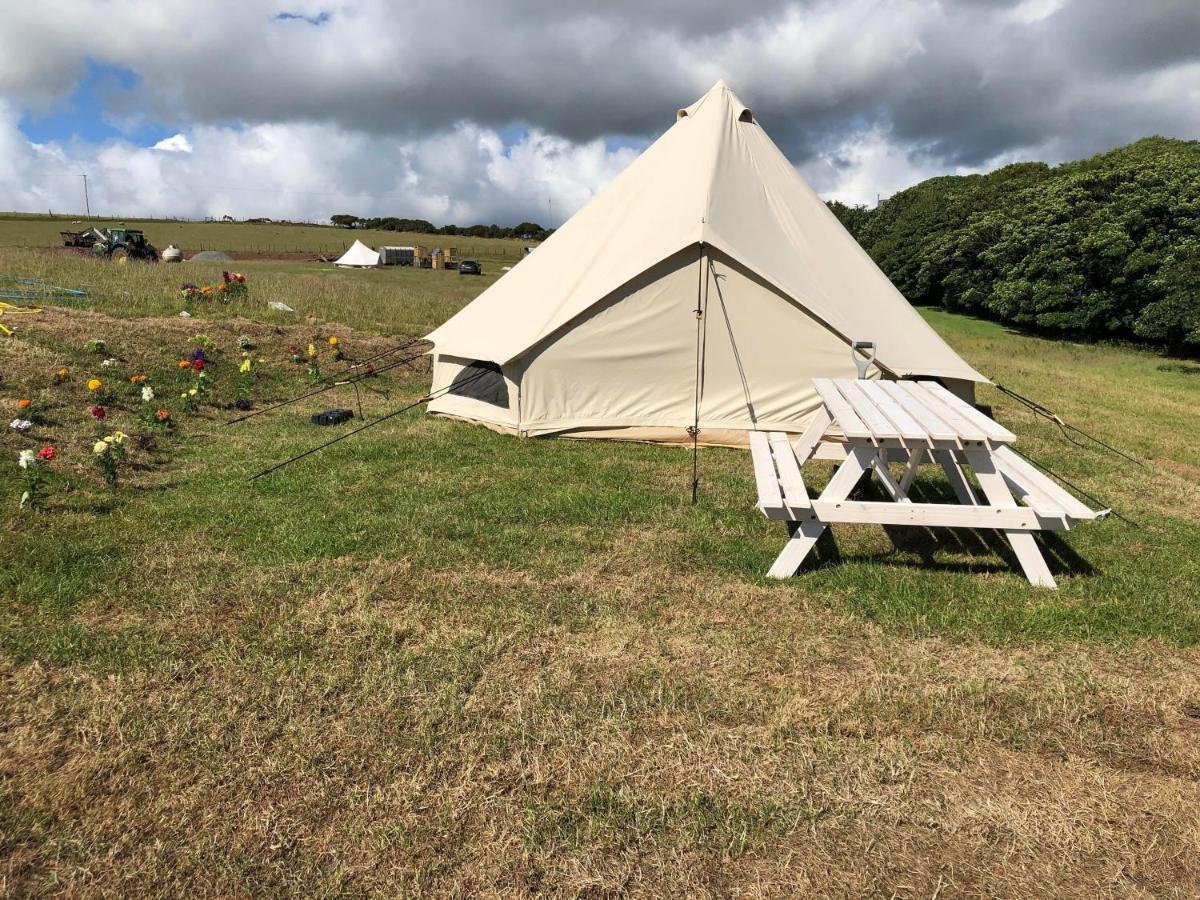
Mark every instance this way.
x=804 y=538
x=910 y=471
x=812 y=435
x=956 y=477
x=1023 y=544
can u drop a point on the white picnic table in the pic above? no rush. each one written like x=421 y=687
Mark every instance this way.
x=865 y=425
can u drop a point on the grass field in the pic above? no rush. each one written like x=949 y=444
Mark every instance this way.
x=435 y=660
x=29 y=231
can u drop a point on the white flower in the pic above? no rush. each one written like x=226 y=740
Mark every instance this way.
x=26 y=458
x=20 y=424
x=147 y=393
x=109 y=363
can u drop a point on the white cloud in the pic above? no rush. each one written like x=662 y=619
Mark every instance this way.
x=869 y=166
x=354 y=109
x=309 y=172
x=176 y=143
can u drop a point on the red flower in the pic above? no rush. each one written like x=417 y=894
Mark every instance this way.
x=198 y=364
x=99 y=412
x=46 y=453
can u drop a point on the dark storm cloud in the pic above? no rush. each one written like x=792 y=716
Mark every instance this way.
x=960 y=81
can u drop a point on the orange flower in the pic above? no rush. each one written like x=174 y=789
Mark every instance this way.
x=95 y=384
x=185 y=364
x=136 y=379
x=162 y=415
x=24 y=403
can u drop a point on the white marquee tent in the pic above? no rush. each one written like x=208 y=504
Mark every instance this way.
x=705 y=286
x=359 y=256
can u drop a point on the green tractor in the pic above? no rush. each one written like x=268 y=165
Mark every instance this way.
x=123 y=244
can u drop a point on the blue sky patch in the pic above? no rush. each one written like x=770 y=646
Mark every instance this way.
x=84 y=116
x=318 y=20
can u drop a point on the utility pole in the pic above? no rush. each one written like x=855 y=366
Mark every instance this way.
x=87 y=205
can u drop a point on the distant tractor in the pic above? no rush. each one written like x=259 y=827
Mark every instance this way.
x=119 y=244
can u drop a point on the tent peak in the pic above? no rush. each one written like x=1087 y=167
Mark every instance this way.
x=724 y=94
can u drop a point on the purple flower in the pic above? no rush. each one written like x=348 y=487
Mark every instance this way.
x=198 y=354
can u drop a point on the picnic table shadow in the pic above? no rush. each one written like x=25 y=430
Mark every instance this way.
x=986 y=550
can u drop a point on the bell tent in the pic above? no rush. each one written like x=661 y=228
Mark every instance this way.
x=359 y=256
x=703 y=288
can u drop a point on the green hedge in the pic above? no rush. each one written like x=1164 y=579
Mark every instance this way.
x=1103 y=248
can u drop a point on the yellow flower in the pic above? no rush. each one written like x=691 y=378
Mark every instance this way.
x=333 y=341
x=95 y=384
x=100 y=447
x=119 y=437
x=312 y=351
x=245 y=366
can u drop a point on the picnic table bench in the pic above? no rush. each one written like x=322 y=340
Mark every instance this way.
x=865 y=425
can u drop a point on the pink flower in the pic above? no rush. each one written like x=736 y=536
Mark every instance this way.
x=98 y=412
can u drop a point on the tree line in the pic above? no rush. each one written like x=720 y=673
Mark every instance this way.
x=528 y=231
x=1102 y=248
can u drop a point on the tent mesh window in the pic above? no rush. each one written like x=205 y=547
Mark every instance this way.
x=483 y=381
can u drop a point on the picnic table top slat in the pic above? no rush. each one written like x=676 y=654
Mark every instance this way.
x=866 y=410
x=929 y=420
x=966 y=430
x=907 y=426
x=841 y=410
x=993 y=429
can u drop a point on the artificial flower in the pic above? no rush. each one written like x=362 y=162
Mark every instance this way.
x=63 y=372
x=20 y=424
x=162 y=415
x=100 y=448
x=245 y=366
x=98 y=412
x=24 y=403
x=46 y=453
x=147 y=393
x=25 y=459
x=185 y=364
x=333 y=341
x=108 y=363
x=312 y=351
x=136 y=379
x=119 y=437
x=191 y=393
x=95 y=384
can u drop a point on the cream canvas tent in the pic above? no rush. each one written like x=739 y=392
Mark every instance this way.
x=705 y=287
x=359 y=256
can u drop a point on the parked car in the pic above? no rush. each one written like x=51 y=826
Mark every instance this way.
x=470 y=267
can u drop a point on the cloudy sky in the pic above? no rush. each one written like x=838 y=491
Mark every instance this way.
x=501 y=111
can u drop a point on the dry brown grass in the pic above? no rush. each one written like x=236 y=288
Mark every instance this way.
x=447 y=735
x=614 y=716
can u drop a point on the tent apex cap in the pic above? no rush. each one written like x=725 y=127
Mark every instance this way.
x=740 y=111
